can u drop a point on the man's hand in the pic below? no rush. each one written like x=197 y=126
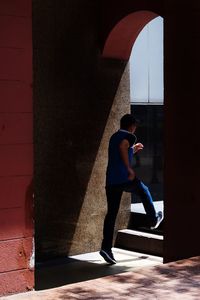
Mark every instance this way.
x=137 y=147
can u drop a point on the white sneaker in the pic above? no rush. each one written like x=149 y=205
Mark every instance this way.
x=159 y=220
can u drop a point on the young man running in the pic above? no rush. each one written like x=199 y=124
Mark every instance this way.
x=120 y=177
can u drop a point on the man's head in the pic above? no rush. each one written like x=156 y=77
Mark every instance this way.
x=129 y=123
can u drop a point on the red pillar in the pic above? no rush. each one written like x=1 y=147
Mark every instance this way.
x=16 y=146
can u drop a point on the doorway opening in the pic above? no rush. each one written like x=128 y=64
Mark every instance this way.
x=141 y=45
x=147 y=99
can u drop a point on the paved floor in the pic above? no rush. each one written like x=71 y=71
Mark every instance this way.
x=136 y=276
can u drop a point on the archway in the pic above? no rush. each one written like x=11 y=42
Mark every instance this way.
x=122 y=37
x=118 y=46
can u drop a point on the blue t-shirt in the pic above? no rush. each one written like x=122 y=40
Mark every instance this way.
x=116 y=170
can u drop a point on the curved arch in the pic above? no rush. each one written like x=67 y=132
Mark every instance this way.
x=122 y=37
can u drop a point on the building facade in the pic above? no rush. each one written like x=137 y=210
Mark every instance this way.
x=61 y=97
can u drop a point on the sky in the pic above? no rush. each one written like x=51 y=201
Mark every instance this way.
x=146 y=64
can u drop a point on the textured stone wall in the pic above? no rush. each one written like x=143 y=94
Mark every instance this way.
x=74 y=89
x=90 y=222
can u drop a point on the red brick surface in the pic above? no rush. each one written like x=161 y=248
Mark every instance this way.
x=16 y=128
x=162 y=282
x=15 y=32
x=16 y=96
x=14 y=253
x=16 y=281
x=16 y=146
x=13 y=191
x=12 y=60
x=20 y=8
x=16 y=160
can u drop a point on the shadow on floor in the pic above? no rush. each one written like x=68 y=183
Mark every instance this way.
x=66 y=271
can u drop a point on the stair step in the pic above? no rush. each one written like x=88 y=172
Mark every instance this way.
x=138 y=207
x=140 y=241
x=139 y=221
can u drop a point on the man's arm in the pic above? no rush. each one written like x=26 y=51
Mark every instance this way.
x=123 y=148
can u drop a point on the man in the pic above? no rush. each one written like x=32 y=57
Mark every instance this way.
x=120 y=177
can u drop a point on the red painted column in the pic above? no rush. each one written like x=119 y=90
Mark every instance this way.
x=16 y=146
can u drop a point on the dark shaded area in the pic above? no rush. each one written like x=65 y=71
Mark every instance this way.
x=65 y=271
x=149 y=163
x=182 y=165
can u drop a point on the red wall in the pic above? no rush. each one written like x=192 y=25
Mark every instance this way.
x=16 y=146
x=121 y=39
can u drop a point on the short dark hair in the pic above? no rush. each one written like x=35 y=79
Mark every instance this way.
x=127 y=121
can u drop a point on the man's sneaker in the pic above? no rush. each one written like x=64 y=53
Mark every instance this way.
x=108 y=256
x=158 y=221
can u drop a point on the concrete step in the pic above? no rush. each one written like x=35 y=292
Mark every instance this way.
x=142 y=242
x=138 y=207
x=140 y=222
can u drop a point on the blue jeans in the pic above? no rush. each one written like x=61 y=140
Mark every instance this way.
x=114 y=194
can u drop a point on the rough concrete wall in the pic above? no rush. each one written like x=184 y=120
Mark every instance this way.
x=74 y=89
x=89 y=227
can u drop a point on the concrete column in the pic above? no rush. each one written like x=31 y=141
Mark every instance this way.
x=88 y=232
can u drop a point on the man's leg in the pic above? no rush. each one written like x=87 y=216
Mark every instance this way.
x=138 y=187
x=113 y=202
